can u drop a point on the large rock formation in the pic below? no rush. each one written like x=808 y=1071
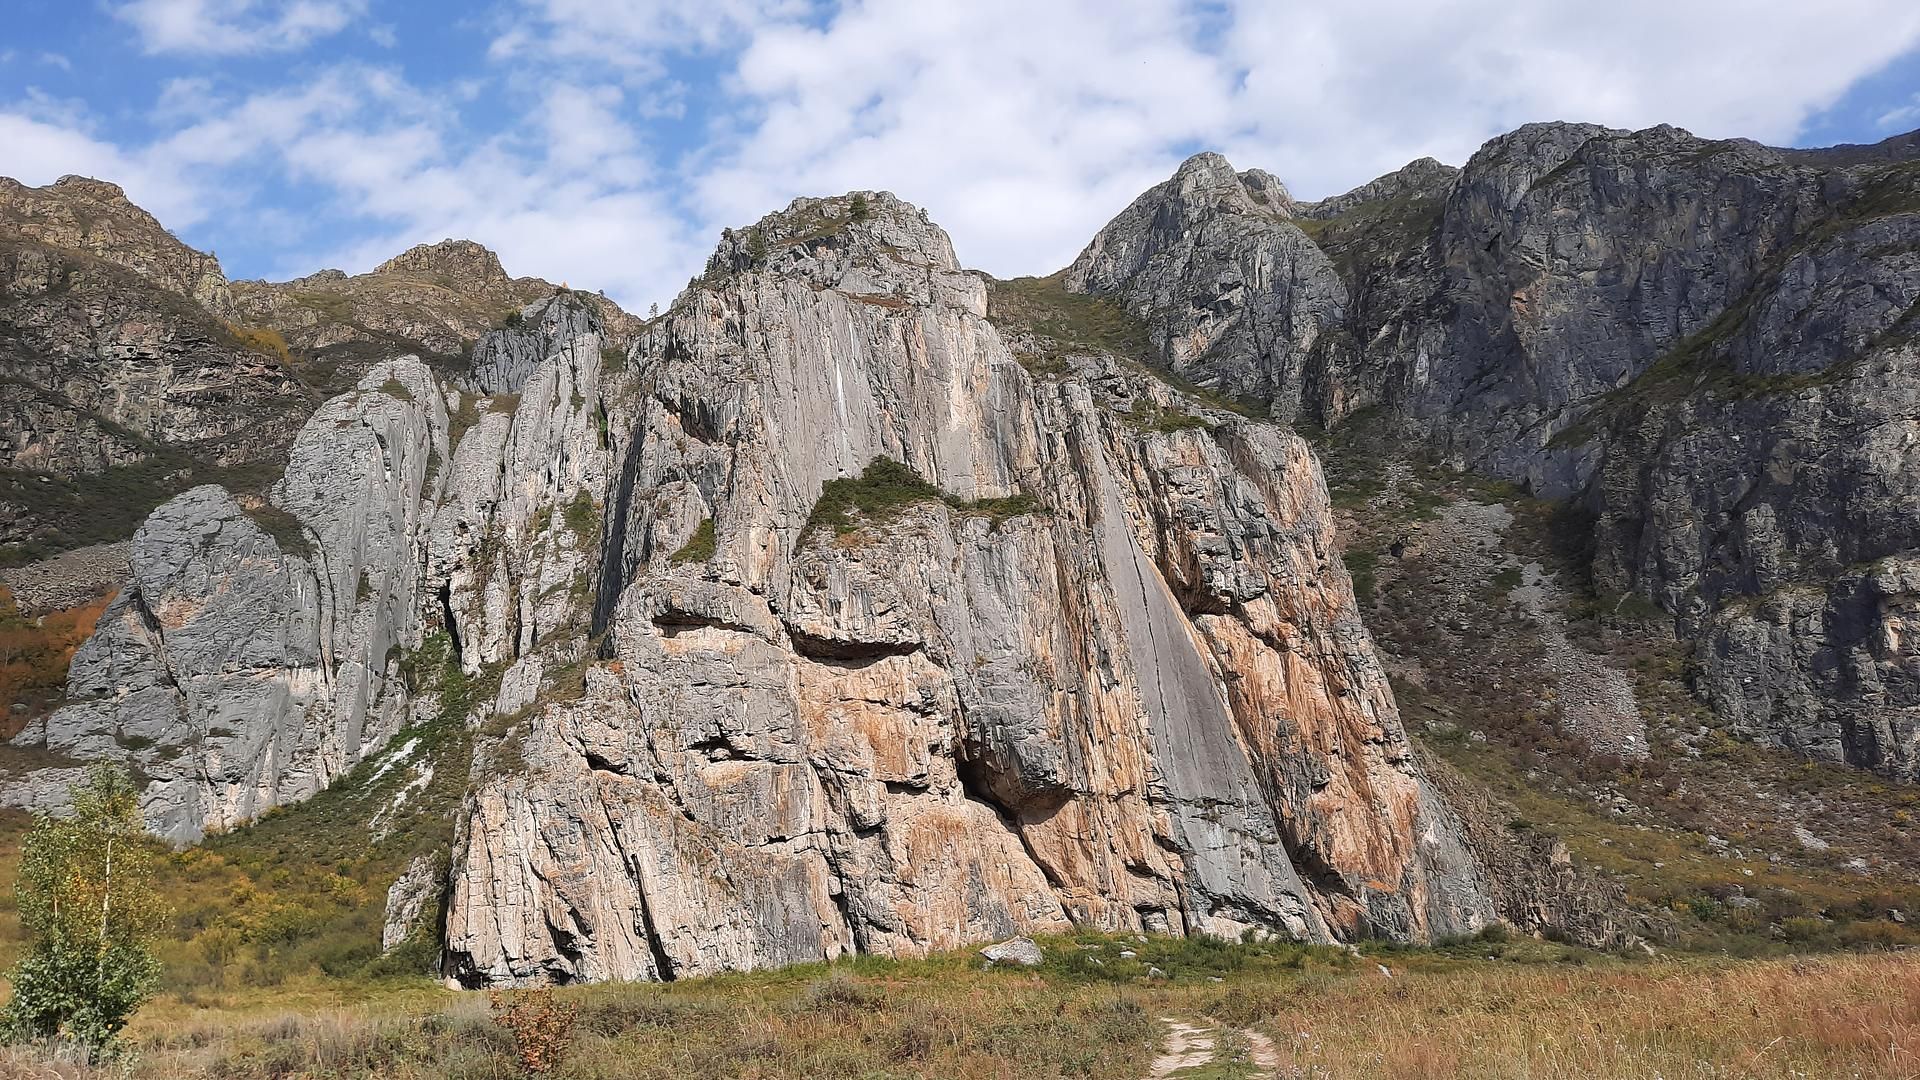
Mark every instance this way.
x=262 y=646
x=813 y=623
x=134 y=370
x=1109 y=676
x=1710 y=345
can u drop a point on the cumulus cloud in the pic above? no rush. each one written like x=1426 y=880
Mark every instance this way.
x=221 y=27
x=608 y=140
x=39 y=152
x=1022 y=127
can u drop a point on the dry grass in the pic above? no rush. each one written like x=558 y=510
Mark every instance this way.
x=1828 y=1017
x=922 y=1018
x=1444 y=1013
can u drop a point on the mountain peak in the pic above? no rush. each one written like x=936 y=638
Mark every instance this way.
x=102 y=190
x=460 y=260
x=823 y=235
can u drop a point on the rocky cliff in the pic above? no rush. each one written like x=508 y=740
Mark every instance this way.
x=1709 y=345
x=134 y=370
x=812 y=623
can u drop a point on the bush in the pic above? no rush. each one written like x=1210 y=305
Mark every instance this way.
x=264 y=340
x=582 y=518
x=540 y=1026
x=286 y=529
x=886 y=489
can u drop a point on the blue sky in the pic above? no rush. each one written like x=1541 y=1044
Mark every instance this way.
x=605 y=142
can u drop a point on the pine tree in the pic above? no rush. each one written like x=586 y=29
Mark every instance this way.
x=86 y=901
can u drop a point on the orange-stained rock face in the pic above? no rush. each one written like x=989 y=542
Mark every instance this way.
x=1138 y=698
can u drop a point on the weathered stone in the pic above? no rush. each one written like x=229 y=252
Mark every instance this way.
x=950 y=726
x=1019 y=951
x=407 y=898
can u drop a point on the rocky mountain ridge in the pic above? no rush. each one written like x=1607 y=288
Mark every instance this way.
x=1073 y=655
x=862 y=603
x=134 y=368
x=1708 y=345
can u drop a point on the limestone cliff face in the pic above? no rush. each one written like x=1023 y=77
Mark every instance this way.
x=249 y=660
x=134 y=370
x=1710 y=345
x=1237 y=297
x=1116 y=679
x=1098 y=664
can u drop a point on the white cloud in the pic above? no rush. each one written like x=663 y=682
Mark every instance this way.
x=1333 y=96
x=224 y=27
x=564 y=192
x=612 y=138
x=39 y=153
x=639 y=34
x=1900 y=117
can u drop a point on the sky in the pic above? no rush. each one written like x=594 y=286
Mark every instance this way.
x=605 y=143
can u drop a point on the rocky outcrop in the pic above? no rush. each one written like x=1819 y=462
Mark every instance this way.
x=248 y=661
x=437 y=300
x=1096 y=674
x=133 y=370
x=1236 y=296
x=94 y=217
x=1709 y=344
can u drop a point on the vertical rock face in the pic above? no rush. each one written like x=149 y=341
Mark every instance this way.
x=1087 y=659
x=1711 y=345
x=1237 y=297
x=1110 y=677
x=247 y=662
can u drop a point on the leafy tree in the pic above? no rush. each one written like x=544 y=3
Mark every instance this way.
x=857 y=208
x=85 y=896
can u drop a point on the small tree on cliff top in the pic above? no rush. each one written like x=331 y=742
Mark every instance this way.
x=85 y=895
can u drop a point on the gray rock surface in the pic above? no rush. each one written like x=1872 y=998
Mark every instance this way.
x=966 y=721
x=1019 y=951
x=249 y=659
x=407 y=899
x=1710 y=345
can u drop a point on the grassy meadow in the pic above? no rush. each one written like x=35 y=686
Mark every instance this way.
x=1477 y=1009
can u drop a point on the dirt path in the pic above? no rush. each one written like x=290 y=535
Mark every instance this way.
x=1196 y=1045
x=1186 y=1047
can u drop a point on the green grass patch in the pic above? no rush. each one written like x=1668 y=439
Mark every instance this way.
x=698 y=548
x=1361 y=566
x=1148 y=416
x=886 y=489
x=284 y=527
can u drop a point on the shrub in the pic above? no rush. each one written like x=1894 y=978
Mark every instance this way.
x=887 y=489
x=264 y=340
x=540 y=1026
x=582 y=518
x=857 y=208
x=286 y=529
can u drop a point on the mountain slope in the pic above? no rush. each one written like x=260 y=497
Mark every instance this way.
x=1707 y=345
